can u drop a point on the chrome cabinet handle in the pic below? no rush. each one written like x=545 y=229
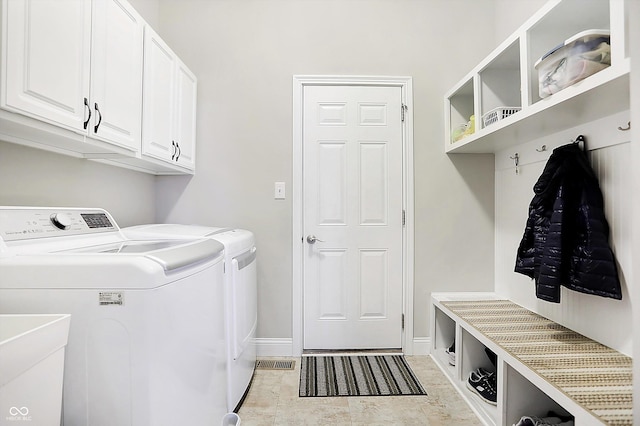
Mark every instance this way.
x=311 y=239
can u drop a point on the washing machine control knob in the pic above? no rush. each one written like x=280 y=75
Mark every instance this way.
x=60 y=220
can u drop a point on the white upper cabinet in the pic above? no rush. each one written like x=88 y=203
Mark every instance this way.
x=169 y=105
x=159 y=98
x=76 y=64
x=505 y=83
x=186 y=89
x=75 y=76
x=46 y=56
x=116 y=73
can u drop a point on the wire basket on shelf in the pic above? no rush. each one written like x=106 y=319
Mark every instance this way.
x=498 y=114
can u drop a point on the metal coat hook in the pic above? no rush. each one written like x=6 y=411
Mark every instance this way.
x=543 y=148
x=516 y=160
x=581 y=139
x=624 y=129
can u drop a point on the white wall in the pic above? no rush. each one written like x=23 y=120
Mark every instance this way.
x=510 y=16
x=31 y=177
x=245 y=54
x=149 y=10
x=38 y=178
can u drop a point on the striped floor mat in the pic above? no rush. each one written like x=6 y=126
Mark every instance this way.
x=357 y=376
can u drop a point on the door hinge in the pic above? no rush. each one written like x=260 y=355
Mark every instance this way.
x=404 y=218
x=403 y=321
x=403 y=110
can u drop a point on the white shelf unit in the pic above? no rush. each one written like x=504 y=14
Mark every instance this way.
x=521 y=391
x=507 y=78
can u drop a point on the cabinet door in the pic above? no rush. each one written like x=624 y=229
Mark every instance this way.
x=46 y=59
x=158 y=99
x=116 y=73
x=185 y=114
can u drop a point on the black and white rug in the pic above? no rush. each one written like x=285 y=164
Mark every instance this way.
x=368 y=375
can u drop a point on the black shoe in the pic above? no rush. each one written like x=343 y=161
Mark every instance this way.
x=483 y=383
x=492 y=356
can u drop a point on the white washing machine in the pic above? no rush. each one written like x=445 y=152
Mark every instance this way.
x=241 y=306
x=147 y=340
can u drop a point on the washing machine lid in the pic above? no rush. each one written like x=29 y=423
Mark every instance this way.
x=128 y=247
x=170 y=254
x=236 y=241
x=170 y=230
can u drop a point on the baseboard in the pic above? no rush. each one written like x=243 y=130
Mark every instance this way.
x=276 y=347
x=266 y=347
x=421 y=345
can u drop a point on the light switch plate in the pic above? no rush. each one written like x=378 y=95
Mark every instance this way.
x=279 y=191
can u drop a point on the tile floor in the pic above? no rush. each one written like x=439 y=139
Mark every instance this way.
x=273 y=400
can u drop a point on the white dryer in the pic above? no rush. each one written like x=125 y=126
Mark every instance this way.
x=241 y=298
x=147 y=341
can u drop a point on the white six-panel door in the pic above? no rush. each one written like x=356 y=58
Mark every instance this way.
x=352 y=179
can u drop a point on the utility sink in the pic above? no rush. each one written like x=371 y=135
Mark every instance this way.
x=32 y=367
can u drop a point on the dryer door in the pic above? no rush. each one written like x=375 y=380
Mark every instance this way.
x=244 y=317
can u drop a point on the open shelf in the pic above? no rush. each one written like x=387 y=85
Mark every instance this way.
x=473 y=356
x=500 y=82
x=460 y=107
x=525 y=399
x=508 y=78
x=602 y=94
x=444 y=336
x=470 y=355
x=567 y=18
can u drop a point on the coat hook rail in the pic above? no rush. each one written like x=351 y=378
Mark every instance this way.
x=624 y=129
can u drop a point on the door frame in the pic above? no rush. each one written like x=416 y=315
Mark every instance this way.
x=297 y=246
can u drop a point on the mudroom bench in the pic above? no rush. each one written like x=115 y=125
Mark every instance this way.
x=540 y=365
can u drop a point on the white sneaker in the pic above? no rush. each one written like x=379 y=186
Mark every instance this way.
x=451 y=353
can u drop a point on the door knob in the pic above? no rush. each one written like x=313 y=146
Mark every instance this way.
x=311 y=239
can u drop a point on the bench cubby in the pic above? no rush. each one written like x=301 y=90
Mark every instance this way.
x=541 y=366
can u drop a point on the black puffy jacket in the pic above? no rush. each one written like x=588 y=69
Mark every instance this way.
x=566 y=239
